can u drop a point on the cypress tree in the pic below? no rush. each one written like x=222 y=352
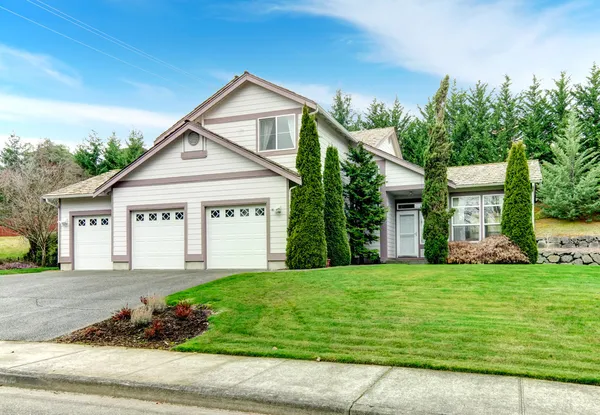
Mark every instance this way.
x=306 y=244
x=435 y=194
x=517 y=222
x=338 y=247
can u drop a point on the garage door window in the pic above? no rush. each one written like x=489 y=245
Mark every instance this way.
x=104 y=221
x=259 y=212
x=93 y=222
x=166 y=216
x=81 y=222
x=139 y=217
x=152 y=217
x=229 y=213
x=215 y=213
x=178 y=215
x=244 y=213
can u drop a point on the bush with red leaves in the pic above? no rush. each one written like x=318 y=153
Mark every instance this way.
x=155 y=330
x=492 y=250
x=183 y=309
x=122 y=314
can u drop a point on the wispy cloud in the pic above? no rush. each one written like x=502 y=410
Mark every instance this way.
x=471 y=39
x=150 y=91
x=18 y=64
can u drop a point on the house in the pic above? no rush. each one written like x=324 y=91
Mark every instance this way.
x=213 y=191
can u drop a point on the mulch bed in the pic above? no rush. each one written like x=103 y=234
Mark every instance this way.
x=17 y=265
x=124 y=333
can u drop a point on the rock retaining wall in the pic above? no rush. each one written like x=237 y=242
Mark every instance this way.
x=569 y=257
x=569 y=242
x=579 y=250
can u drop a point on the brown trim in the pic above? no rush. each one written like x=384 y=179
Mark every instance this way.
x=480 y=192
x=194 y=258
x=252 y=174
x=58 y=226
x=64 y=260
x=250 y=117
x=72 y=215
x=269 y=164
x=383 y=236
x=120 y=258
x=159 y=206
x=237 y=202
x=275 y=257
x=405 y=187
x=191 y=155
x=270 y=153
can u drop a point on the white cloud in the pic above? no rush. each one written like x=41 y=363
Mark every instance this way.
x=18 y=64
x=149 y=91
x=470 y=39
x=34 y=110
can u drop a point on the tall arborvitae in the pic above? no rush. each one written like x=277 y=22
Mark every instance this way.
x=536 y=122
x=306 y=244
x=338 y=247
x=505 y=120
x=517 y=221
x=587 y=102
x=435 y=194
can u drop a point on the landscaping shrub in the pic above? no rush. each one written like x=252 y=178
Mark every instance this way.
x=154 y=302
x=338 y=246
x=517 y=222
x=155 y=330
x=183 y=309
x=36 y=255
x=122 y=314
x=141 y=316
x=493 y=250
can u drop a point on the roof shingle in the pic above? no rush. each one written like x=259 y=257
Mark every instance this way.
x=488 y=174
x=373 y=136
x=85 y=187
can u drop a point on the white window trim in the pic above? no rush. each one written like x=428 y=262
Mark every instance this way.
x=452 y=225
x=483 y=206
x=294 y=135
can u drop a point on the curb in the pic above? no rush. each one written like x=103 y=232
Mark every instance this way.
x=217 y=398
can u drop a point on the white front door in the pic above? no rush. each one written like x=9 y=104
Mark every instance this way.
x=407 y=240
x=92 y=242
x=158 y=239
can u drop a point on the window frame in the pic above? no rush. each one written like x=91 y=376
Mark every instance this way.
x=275 y=117
x=483 y=206
x=478 y=224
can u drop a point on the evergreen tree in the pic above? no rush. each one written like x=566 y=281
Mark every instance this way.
x=414 y=142
x=587 y=103
x=342 y=111
x=399 y=119
x=364 y=206
x=560 y=99
x=376 y=116
x=338 y=247
x=134 y=147
x=505 y=120
x=536 y=122
x=517 y=223
x=479 y=106
x=306 y=244
x=571 y=186
x=113 y=157
x=89 y=154
x=435 y=194
x=14 y=153
x=457 y=123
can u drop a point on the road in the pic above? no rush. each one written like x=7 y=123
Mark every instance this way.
x=15 y=401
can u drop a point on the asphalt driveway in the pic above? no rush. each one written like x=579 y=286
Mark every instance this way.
x=43 y=306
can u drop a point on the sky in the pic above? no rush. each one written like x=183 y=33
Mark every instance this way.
x=69 y=66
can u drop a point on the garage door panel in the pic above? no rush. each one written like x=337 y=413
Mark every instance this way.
x=158 y=239
x=92 y=242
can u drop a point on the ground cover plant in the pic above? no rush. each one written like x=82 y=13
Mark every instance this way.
x=529 y=320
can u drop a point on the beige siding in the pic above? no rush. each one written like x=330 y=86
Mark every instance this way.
x=250 y=99
x=193 y=194
x=168 y=163
x=391 y=226
x=400 y=176
x=286 y=160
x=388 y=147
x=240 y=132
x=70 y=205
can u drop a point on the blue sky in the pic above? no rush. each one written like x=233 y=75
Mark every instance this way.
x=55 y=87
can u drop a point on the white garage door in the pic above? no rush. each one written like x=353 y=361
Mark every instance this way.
x=91 y=242
x=236 y=237
x=158 y=239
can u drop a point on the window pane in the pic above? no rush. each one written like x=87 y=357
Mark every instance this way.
x=491 y=230
x=466 y=233
x=493 y=200
x=492 y=214
x=285 y=132
x=466 y=216
x=267 y=134
x=465 y=201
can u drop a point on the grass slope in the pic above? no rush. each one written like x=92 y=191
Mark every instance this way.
x=13 y=247
x=26 y=270
x=547 y=227
x=533 y=320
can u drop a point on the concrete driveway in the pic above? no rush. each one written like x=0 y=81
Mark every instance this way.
x=42 y=306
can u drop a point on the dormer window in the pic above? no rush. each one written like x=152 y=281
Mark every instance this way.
x=277 y=133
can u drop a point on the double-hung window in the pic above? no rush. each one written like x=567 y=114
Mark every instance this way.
x=277 y=133
x=465 y=222
x=492 y=214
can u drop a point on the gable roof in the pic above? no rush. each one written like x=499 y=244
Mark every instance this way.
x=187 y=126
x=83 y=188
x=230 y=87
x=488 y=174
x=374 y=136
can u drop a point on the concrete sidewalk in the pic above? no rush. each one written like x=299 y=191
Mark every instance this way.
x=281 y=386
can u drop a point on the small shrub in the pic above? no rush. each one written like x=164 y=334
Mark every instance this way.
x=155 y=330
x=122 y=314
x=156 y=303
x=144 y=299
x=141 y=316
x=492 y=250
x=183 y=309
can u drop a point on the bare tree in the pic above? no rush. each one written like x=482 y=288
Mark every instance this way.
x=21 y=206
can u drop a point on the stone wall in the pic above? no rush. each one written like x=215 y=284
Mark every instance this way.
x=580 y=250
x=568 y=257
x=569 y=242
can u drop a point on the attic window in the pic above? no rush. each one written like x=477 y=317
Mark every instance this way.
x=276 y=133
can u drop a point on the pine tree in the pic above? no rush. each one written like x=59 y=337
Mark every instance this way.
x=14 y=153
x=376 y=116
x=536 y=122
x=505 y=120
x=414 y=142
x=587 y=102
x=517 y=222
x=364 y=206
x=435 y=194
x=88 y=155
x=134 y=147
x=399 y=119
x=306 y=244
x=571 y=186
x=338 y=247
x=560 y=99
x=479 y=106
x=342 y=111
x=457 y=122
x=112 y=155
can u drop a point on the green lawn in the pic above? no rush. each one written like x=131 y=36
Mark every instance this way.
x=530 y=320
x=13 y=247
x=26 y=270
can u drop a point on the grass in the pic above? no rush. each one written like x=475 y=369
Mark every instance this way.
x=26 y=270
x=13 y=247
x=546 y=227
x=538 y=321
